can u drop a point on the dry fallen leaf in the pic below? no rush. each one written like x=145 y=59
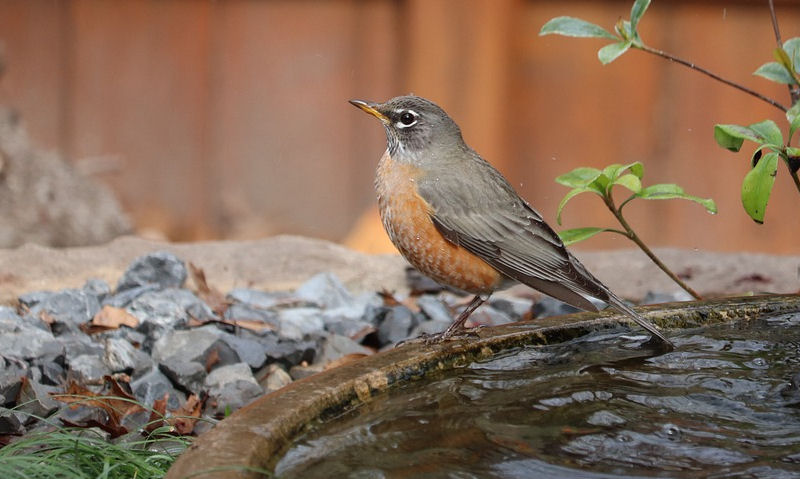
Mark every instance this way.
x=212 y=297
x=112 y=318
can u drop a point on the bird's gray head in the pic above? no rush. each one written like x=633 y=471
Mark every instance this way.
x=413 y=124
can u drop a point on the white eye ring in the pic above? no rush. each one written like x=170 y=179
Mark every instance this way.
x=404 y=117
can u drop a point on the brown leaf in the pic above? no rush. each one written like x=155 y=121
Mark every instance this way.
x=211 y=296
x=186 y=416
x=212 y=359
x=157 y=414
x=114 y=400
x=111 y=318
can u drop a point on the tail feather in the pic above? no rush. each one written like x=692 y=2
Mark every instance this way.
x=620 y=306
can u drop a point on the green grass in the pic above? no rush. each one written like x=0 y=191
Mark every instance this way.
x=83 y=453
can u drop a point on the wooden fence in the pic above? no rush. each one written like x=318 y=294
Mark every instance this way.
x=220 y=119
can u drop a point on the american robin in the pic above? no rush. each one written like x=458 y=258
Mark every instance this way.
x=455 y=218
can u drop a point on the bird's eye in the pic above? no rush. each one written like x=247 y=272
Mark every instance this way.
x=407 y=118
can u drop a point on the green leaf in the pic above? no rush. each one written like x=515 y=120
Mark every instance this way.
x=629 y=181
x=579 y=234
x=610 y=52
x=792 y=49
x=769 y=131
x=612 y=171
x=793 y=115
x=637 y=169
x=667 y=191
x=575 y=27
x=572 y=193
x=776 y=72
x=757 y=186
x=638 y=9
x=732 y=136
x=579 y=177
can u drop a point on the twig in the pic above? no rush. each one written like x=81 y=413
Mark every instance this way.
x=713 y=75
x=794 y=93
x=655 y=259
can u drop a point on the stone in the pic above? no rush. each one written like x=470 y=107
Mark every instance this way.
x=88 y=369
x=121 y=299
x=288 y=352
x=231 y=387
x=257 y=299
x=335 y=347
x=247 y=312
x=298 y=322
x=325 y=290
x=515 y=308
x=121 y=356
x=10 y=423
x=197 y=345
x=162 y=268
x=29 y=343
x=35 y=400
x=547 y=307
x=276 y=378
x=97 y=287
x=70 y=307
x=154 y=385
x=163 y=310
x=396 y=325
x=11 y=379
x=301 y=371
x=188 y=376
x=428 y=328
x=434 y=308
x=247 y=349
x=653 y=297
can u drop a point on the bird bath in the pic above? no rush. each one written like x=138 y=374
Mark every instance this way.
x=574 y=396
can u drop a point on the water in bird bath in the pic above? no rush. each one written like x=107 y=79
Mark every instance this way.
x=725 y=403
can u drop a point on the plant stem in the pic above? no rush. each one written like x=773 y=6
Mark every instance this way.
x=713 y=75
x=794 y=93
x=655 y=259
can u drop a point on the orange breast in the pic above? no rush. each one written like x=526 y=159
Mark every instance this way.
x=407 y=219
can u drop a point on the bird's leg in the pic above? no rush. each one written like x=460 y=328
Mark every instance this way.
x=458 y=324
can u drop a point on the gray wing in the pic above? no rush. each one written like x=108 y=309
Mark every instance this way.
x=489 y=219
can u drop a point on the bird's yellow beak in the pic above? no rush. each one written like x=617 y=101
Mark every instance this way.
x=370 y=108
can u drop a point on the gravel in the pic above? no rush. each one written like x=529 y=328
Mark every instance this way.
x=167 y=342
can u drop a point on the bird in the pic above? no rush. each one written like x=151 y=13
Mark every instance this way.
x=457 y=219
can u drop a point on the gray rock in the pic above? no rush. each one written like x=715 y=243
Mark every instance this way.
x=123 y=298
x=396 y=325
x=185 y=346
x=605 y=418
x=154 y=385
x=97 y=288
x=11 y=379
x=88 y=369
x=35 y=400
x=78 y=344
x=288 y=352
x=276 y=378
x=653 y=297
x=162 y=268
x=353 y=329
x=188 y=376
x=515 y=308
x=51 y=369
x=71 y=307
x=297 y=323
x=9 y=423
x=335 y=347
x=547 y=307
x=122 y=356
x=247 y=312
x=434 y=308
x=326 y=290
x=488 y=316
x=301 y=371
x=231 y=387
x=29 y=343
x=248 y=349
x=429 y=327
x=257 y=299
x=160 y=311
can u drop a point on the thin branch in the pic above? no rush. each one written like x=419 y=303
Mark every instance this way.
x=794 y=93
x=635 y=238
x=713 y=75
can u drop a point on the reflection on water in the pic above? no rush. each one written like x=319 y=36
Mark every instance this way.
x=723 y=404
